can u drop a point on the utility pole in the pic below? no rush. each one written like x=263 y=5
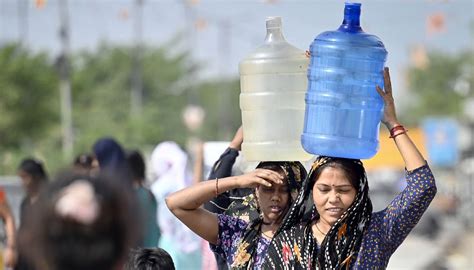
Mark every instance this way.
x=136 y=97
x=190 y=19
x=65 y=80
x=22 y=21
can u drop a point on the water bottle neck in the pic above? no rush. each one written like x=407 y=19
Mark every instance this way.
x=274 y=35
x=351 y=22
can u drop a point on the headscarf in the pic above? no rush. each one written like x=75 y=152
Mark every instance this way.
x=112 y=160
x=295 y=246
x=168 y=168
x=295 y=173
x=109 y=153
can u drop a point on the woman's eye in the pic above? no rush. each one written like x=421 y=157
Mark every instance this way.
x=324 y=190
x=344 y=191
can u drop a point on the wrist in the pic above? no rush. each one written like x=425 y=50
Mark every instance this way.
x=397 y=130
x=390 y=125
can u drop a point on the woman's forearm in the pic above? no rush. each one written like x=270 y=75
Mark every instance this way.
x=411 y=155
x=196 y=195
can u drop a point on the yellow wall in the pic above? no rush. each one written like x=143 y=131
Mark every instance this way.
x=388 y=156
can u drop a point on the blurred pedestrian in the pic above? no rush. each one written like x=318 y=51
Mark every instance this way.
x=149 y=259
x=33 y=177
x=83 y=163
x=170 y=171
x=10 y=250
x=148 y=206
x=85 y=223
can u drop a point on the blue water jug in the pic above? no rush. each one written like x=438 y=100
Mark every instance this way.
x=343 y=109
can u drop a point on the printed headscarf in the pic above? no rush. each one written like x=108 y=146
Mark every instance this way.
x=295 y=246
x=246 y=249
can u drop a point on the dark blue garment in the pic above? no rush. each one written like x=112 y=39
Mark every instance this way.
x=112 y=159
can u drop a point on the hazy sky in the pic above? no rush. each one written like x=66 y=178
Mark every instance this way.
x=229 y=30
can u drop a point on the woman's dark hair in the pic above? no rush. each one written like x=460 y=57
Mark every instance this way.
x=62 y=242
x=136 y=164
x=34 y=168
x=352 y=168
x=149 y=259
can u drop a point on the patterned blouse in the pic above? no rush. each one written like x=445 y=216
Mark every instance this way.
x=231 y=230
x=389 y=227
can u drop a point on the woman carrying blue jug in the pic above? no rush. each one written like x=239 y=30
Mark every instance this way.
x=331 y=224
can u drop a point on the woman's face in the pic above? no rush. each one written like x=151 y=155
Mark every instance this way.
x=26 y=180
x=273 y=201
x=333 y=193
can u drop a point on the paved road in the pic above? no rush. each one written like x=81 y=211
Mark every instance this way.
x=452 y=249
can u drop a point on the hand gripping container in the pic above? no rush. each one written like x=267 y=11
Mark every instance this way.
x=343 y=108
x=273 y=85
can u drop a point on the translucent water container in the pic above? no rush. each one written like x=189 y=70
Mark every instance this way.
x=273 y=85
x=343 y=108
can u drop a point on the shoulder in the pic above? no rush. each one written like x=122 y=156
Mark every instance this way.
x=231 y=222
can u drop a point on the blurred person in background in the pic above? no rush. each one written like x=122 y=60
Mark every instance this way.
x=147 y=201
x=85 y=223
x=33 y=177
x=9 y=250
x=170 y=172
x=149 y=259
x=109 y=157
x=83 y=163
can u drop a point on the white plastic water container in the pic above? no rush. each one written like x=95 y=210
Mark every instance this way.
x=273 y=84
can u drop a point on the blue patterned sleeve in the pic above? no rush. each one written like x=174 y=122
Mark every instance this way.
x=404 y=212
x=231 y=230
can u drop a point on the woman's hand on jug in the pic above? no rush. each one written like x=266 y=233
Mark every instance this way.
x=389 y=115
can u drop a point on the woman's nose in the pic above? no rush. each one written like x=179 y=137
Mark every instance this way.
x=334 y=196
x=275 y=196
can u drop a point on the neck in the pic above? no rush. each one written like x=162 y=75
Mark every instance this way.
x=322 y=227
x=268 y=230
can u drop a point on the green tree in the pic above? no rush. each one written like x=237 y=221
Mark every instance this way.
x=101 y=97
x=441 y=87
x=29 y=99
x=29 y=106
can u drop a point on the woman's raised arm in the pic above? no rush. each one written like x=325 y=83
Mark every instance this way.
x=409 y=152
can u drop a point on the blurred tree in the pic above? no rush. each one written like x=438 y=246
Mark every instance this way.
x=101 y=96
x=29 y=103
x=440 y=87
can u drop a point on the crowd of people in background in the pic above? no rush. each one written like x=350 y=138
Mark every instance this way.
x=102 y=213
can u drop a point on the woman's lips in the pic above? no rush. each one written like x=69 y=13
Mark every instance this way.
x=275 y=209
x=334 y=211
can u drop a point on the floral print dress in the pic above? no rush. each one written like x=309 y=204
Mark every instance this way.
x=230 y=244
